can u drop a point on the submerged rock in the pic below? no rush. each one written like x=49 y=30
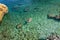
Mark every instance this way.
x=51 y=16
x=3 y=11
x=53 y=36
x=18 y=26
x=28 y=20
x=57 y=16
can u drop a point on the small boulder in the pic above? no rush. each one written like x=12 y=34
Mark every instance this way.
x=57 y=17
x=28 y=21
x=51 y=16
x=53 y=36
x=3 y=11
x=18 y=26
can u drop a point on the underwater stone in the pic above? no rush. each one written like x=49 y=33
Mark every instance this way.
x=3 y=11
x=51 y=16
x=57 y=16
x=18 y=26
x=28 y=20
x=53 y=36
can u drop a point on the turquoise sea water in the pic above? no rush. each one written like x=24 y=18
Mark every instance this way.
x=39 y=27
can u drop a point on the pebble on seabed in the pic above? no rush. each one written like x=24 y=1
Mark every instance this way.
x=29 y=20
x=57 y=17
x=18 y=25
x=53 y=37
x=51 y=15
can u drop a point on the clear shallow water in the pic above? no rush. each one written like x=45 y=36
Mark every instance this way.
x=40 y=25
